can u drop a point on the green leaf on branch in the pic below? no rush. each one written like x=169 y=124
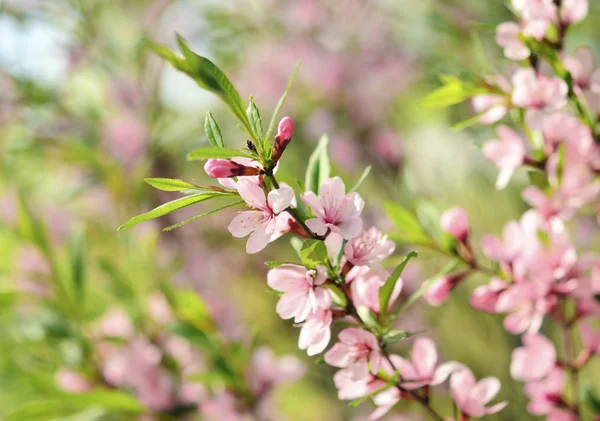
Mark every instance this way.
x=538 y=179
x=168 y=208
x=410 y=228
x=202 y=215
x=361 y=179
x=318 y=168
x=276 y=263
x=453 y=91
x=367 y=317
x=395 y=336
x=213 y=132
x=313 y=253
x=365 y=398
x=255 y=119
x=385 y=292
x=591 y=399
x=189 y=307
x=78 y=259
x=429 y=218
x=279 y=106
x=202 y=154
x=169 y=184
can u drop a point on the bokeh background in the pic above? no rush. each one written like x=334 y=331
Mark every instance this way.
x=87 y=112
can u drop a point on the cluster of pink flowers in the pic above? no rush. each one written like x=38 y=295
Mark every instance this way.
x=537 y=273
x=344 y=285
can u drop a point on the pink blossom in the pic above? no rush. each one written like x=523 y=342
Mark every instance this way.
x=440 y=289
x=370 y=247
x=455 y=222
x=539 y=93
x=507 y=37
x=159 y=308
x=581 y=65
x=334 y=210
x=283 y=138
x=527 y=304
x=507 y=250
x=358 y=352
x=508 y=153
x=262 y=220
x=485 y=297
x=126 y=138
x=421 y=370
x=573 y=11
x=316 y=332
x=302 y=291
x=365 y=283
x=230 y=183
x=472 y=396
x=116 y=324
x=350 y=388
x=537 y=16
x=221 y=407
x=267 y=370
x=544 y=394
x=590 y=338
x=72 y=381
x=225 y=168
x=534 y=360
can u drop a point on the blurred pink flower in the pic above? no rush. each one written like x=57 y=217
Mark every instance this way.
x=455 y=222
x=507 y=250
x=573 y=11
x=527 y=304
x=159 y=308
x=72 y=381
x=590 y=338
x=544 y=394
x=126 y=138
x=507 y=152
x=302 y=291
x=115 y=324
x=334 y=210
x=538 y=15
x=472 y=396
x=507 y=37
x=365 y=283
x=261 y=222
x=534 y=360
x=485 y=297
x=581 y=65
x=358 y=351
x=316 y=332
x=267 y=370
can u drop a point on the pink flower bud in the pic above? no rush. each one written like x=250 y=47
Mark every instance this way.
x=285 y=130
x=72 y=381
x=223 y=168
x=438 y=291
x=455 y=222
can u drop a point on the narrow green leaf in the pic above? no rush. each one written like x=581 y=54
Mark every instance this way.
x=276 y=263
x=318 y=168
x=367 y=316
x=78 y=258
x=202 y=215
x=168 y=55
x=385 y=292
x=190 y=307
x=395 y=336
x=313 y=253
x=168 y=208
x=454 y=91
x=365 y=398
x=220 y=153
x=409 y=226
x=213 y=132
x=280 y=104
x=591 y=399
x=169 y=184
x=192 y=334
x=361 y=179
x=255 y=119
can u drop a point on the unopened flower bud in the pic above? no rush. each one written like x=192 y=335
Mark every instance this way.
x=455 y=222
x=223 y=168
x=283 y=138
x=440 y=289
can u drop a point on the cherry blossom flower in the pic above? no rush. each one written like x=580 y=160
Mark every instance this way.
x=365 y=283
x=358 y=352
x=534 y=360
x=573 y=11
x=455 y=222
x=316 y=332
x=508 y=153
x=507 y=37
x=485 y=297
x=507 y=250
x=539 y=93
x=590 y=338
x=301 y=289
x=527 y=303
x=581 y=65
x=421 y=370
x=538 y=15
x=116 y=324
x=334 y=210
x=261 y=222
x=472 y=396
x=439 y=290
x=370 y=247
x=224 y=168
x=350 y=388
x=267 y=370
x=230 y=183
x=544 y=394
x=285 y=130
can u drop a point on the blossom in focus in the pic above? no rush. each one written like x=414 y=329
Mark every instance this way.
x=316 y=332
x=365 y=283
x=534 y=360
x=358 y=352
x=472 y=397
x=285 y=131
x=334 y=210
x=422 y=369
x=230 y=183
x=507 y=152
x=261 y=222
x=455 y=222
x=370 y=247
x=301 y=289
x=507 y=37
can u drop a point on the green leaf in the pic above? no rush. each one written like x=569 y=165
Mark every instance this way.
x=168 y=208
x=591 y=399
x=337 y=295
x=313 y=253
x=213 y=132
x=276 y=263
x=192 y=334
x=318 y=168
x=220 y=153
x=395 y=336
x=280 y=104
x=538 y=179
x=255 y=119
x=385 y=292
x=189 y=307
x=212 y=379
x=361 y=179
x=367 y=316
x=169 y=184
x=429 y=218
x=409 y=226
x=365 y=398
x=78 y=258
x=202 y=215
x=454 y=91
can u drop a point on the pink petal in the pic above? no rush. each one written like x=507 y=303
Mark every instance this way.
x=338 y=355
x=350 y=227
x=252 y=194
x=244 y=223
x=497 y=408
x=444 y=371
x=280 y=199
x=284 y=277
x=424 y=357
x=485 y=390
x=314 y=203
x=258 y=240
x=317 y=226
